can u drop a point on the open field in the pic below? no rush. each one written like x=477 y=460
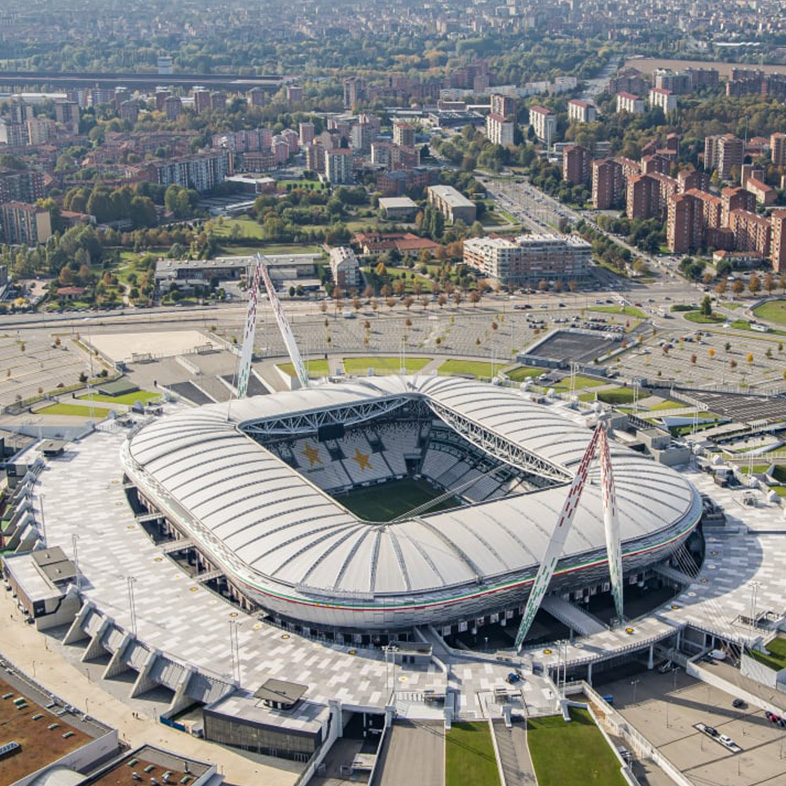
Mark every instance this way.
x=523 y=372
x=383 y=365
x=571 y=754
x=129 y=399
x=469 y=756
x=75 y=410
x=315 y=368
x=773 y=311
x=475 y=368
x=580 y=382
x=613 y=396
x=391 y=500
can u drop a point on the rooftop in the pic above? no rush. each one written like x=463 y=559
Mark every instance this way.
x=43 y=736
x=150 y=762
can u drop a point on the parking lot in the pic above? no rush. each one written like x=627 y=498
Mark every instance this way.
x=666 y=708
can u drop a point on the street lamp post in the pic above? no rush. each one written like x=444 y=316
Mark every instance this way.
x=74 y=539
x=43 y=520
x=754 y=593
x=131 y=580
x=634 y=683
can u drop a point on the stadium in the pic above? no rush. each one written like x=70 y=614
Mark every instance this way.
x=378 y=504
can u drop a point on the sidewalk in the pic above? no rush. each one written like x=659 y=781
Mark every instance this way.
x=31 y=651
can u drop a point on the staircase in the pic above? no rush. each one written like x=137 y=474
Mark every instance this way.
x=513 y=752
x=576 y=619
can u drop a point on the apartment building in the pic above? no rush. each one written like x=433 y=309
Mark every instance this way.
x=689 y=179
x=736 y=199
x=403 y=134
x=778 y=219
x=202 y=172
x=338 y=166
x=452 y=204
x=581 y=111
x=529 y=258
x=21 y=185
x=173 y=107
x=544 y=123
x=40 y=130
x=24 y=224
x=752 y=232
x=499 y=130
x=608 y=184
x=502 y=105
x=723 y=153
x=577 y=165
x=628 y=102
x=344 y=267
x=684 y=226
x=778 y=149
x=664 y=99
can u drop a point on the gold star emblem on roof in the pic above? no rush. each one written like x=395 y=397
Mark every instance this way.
x=362 y=459
x=312 y=454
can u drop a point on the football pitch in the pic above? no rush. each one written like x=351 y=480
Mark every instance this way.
x=388 y=501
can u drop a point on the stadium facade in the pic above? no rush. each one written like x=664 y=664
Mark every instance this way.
x=256 y=484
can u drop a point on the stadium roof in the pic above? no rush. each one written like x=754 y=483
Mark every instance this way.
x=268 y=524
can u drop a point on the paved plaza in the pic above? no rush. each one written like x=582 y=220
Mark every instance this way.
x=187 y=622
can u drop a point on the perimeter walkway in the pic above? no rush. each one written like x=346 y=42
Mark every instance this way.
x=414 y=753
x=32 y=653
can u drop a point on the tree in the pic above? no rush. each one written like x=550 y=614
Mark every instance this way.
x=754 y=284
x=738 y=286
x=732 y=364
x=711 y=353
x=769 y=283
x=720 y=288
x=749 y=358
x=706 y=306
x=727 y=346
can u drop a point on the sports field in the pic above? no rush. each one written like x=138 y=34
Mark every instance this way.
x=391 y=500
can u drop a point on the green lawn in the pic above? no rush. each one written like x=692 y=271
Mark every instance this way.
x=776 y=657
x=249 y=228
x=75 y=410
x=475 y=368
x=581 y=382
x=524 y=372
x=129 y=399
x=228 y=250
x=628 y=311
x=614 y=396
x=703 y=319
x=668 y=405
x=310 y=185
x=315 y=368
x=391 y=500
x=773 y=311
x=383 y=365
x=469 y=756
x=571 y=754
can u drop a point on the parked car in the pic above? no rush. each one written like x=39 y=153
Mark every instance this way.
x=739 y=704
x=712 y=731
